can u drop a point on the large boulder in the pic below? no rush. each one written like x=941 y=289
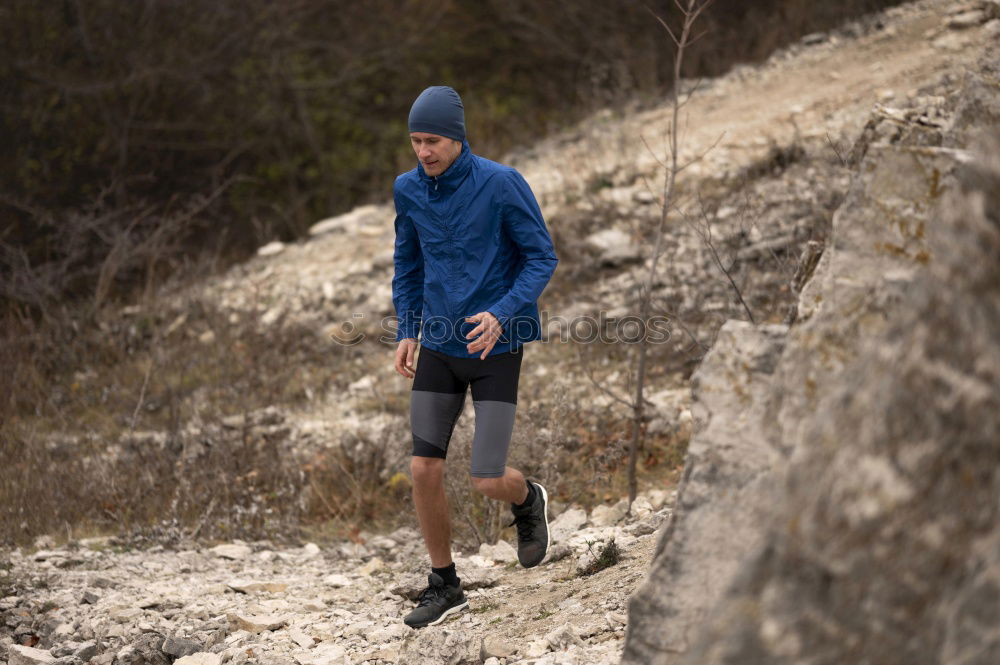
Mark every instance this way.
x=839 y=498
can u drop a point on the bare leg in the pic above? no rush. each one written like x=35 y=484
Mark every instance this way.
x=432 y=508
x=510 y=487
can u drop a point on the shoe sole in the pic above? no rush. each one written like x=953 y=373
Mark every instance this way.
x=548 y=531
x=444 y=615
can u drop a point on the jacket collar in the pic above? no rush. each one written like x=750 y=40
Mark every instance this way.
x=453 y=175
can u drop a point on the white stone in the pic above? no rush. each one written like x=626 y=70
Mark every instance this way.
x=325 y=653
x=21 y=655
x=255 y=623
x=200 y=658
x=359 y=628
x=337 y=580
x=603 y=516
x=502 y=552
x=233 y=551
x=537 y=649
x=271 y=248
x=372 y=566
x=388 y=633
x=251 y=586
x=311 y=550
x=300 y=637
x=567 y=523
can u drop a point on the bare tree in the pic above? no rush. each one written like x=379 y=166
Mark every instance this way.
x=682 y=38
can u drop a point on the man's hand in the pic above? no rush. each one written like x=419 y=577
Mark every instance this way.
x=404 y=357
x=488 y=331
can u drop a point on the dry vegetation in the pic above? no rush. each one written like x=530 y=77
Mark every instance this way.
x=131 y=173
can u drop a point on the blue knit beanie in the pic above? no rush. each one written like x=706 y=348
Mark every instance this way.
x=438 y=110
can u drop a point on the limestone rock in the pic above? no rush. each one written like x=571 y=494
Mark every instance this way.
x=501 y=552
x=431 y=647
x=200 y=658
x=232 y=551
x=615 y=247
x=82 y=650
x=21 y=655
x=563 y=636
x=903 y=458
x=255 y=623
x=252 y=586
x=178 y=646
x=337 y=580
x=325 y=653
x=371 y=566
x=844 y=473
x=494 y=646
x=604 y=516
x=567 y=523
x=144 y=651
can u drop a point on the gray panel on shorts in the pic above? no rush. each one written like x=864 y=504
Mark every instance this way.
x=433 y=415
x=494 y=427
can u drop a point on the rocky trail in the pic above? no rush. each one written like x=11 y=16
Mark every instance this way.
x=253 y=602
x=825 y=102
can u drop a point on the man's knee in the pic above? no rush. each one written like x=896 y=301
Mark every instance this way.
x=426 y=470
x=485 y=485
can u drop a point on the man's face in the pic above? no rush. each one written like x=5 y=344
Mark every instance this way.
x=436 y=153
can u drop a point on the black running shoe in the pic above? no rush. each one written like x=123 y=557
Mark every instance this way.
x=533 y=537
x=436 y=603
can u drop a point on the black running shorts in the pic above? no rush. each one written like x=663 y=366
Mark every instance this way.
x=438 y=396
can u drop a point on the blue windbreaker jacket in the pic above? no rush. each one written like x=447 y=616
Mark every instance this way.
x=467 y=241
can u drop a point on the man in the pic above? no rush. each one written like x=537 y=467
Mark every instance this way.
x=472 y=255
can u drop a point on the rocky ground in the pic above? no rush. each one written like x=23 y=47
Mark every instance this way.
x=95 y=601
x=770 y=185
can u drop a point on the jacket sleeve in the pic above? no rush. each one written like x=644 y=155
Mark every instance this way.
x=408 y=279
x=522 y=219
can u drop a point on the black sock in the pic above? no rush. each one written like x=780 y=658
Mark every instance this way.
x=530 y=498
x=447 y=574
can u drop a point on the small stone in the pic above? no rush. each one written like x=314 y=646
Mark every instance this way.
x=82 y=650
x=557 y=552
x=337 y=580
x=657 y=498
x=21 y=655
x=644 y=197
x=358 y=628
x=271 y=248
x=311 y=550
x=178 y=646
x=255 y=623
x=564 y=636
x=502 y=552
x=200 y=658
x=604 y=516
x=248 y=586
x=567 y=523
x=232 y=551
x=388 y=633
x=89 y=598
x=372 y=566
x=300 y=637
x=966 y=20
x=495 y=647
x=325 y=653
x=537 y=649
